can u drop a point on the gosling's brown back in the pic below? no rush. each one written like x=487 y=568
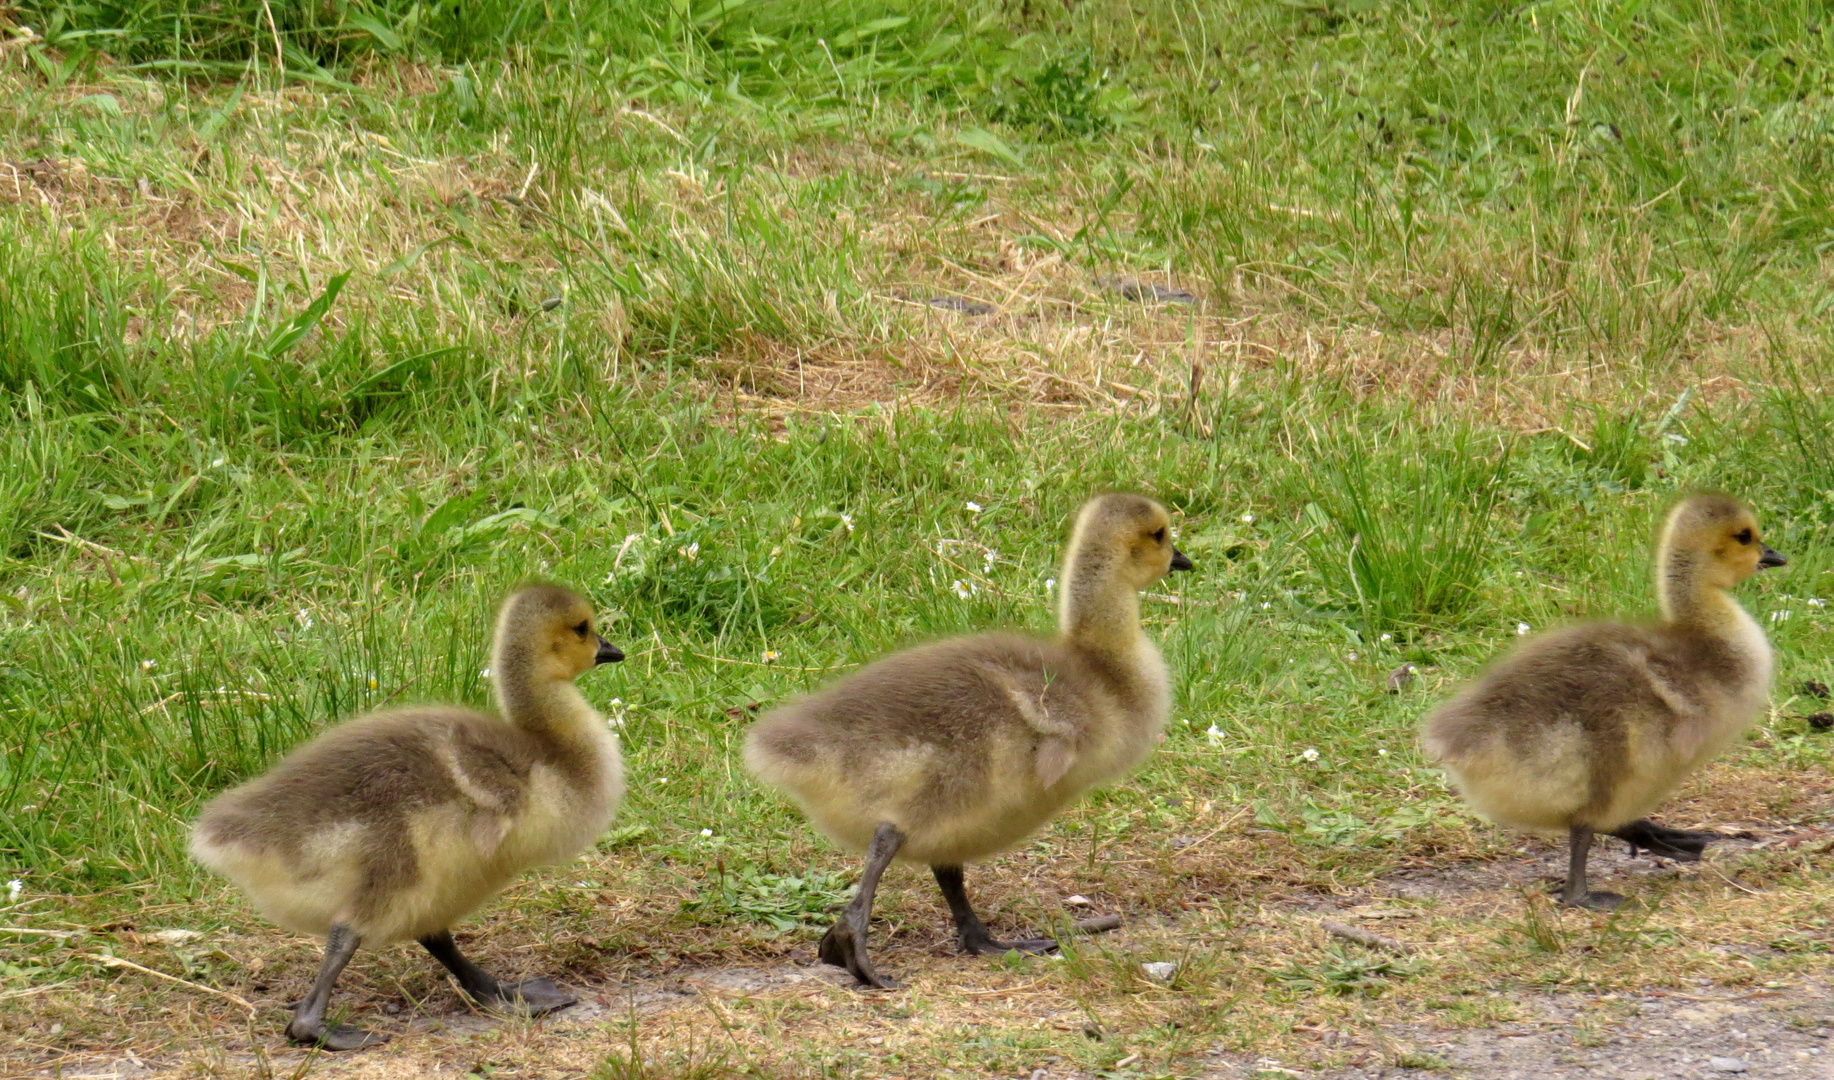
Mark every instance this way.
x=954 y=701
x=375 y=772
x=1603 y=679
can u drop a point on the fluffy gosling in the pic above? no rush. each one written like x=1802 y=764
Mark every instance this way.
x=953 y=751
x=396 y=824
x=1585 y=730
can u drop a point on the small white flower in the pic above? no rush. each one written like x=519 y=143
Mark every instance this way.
x=847 y=520
x=961 y=590
x=1186 y=721
x=989 y=557
x=691 y=552
x=706 y=832
x=1266 y=604
x=662 y=779
x=148 y=665
x=582 y=884
x=1310 y=755
x=1382 y=752
x=1248 y=519
x=1522 y=628
x=217 y=464
x=483 y=673
x=1215 y=735
x=304 y=619
x=1350 y=656
x=13 y=888
x=771 y=655
x=1781 y=616
x=1388 y=637
x=1816 y=601
x=973 y=507
x=372 y=681
x=1049 y=584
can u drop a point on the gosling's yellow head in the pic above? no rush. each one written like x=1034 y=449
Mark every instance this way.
x=553 y=630
x=1130 y=534
x=1718 y=539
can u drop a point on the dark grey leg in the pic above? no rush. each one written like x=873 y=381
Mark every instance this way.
x=308 y=1024
x=1681 y=845
x=1576 y=894
x=974 y=937
x=532 y=996
x=844 y=945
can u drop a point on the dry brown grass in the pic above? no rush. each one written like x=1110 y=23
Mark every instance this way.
x=1234 y=911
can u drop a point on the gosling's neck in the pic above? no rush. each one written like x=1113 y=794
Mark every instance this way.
x=539 y=704
x=1689 y=601
x=1098 y=611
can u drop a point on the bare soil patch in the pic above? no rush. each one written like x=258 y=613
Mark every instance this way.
x=1714 y=965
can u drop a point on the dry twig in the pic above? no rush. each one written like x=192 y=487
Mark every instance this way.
x=116 y=961
x=1365 y=937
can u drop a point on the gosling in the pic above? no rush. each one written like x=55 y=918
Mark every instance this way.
x=1587 y=729
x=394 y=825
x=953 y=751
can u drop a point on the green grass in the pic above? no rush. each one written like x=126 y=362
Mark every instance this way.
x=303 y=364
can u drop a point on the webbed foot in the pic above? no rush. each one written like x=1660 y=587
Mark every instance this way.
x=530 y=997
x=1592 y=901
x=987 y=946
x=1681 y=845
x=333 y=1036
x=844 y=945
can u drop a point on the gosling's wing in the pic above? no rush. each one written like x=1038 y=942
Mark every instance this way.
x=373 y=769
x=949 y=692
x=956 y=711
x=1588 y=682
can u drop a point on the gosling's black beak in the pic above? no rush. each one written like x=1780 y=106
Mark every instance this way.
x=1181 y=561
x=608 y=653
x=1770 y=558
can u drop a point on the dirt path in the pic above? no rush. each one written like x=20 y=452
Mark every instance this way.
x=1766 y=1011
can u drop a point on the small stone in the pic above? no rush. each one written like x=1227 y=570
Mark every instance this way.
x=1079 y=900
x=1160 y=971
x=1150 y=293
x=1726 y=1065
x=961 y=305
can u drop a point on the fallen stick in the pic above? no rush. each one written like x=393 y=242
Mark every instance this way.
x=1097 y=924
x=116 y=961
x=1364 y=937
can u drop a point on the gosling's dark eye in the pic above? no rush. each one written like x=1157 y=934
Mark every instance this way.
x=1159 y=535
x=583 y=628
x=1743 y=536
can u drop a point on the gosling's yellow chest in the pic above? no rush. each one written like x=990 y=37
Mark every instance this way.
x=564 y=813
